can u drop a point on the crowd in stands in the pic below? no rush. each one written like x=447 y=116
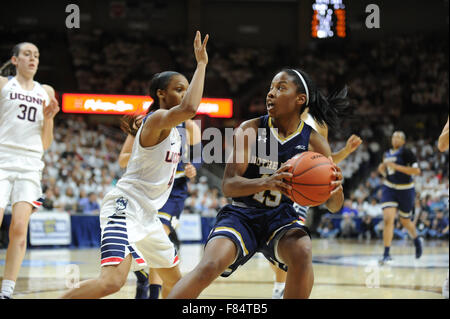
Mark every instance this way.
x=362 y=216
x=81 y=167
x=384 y=81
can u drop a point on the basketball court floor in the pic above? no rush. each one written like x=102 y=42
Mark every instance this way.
x=343 y=269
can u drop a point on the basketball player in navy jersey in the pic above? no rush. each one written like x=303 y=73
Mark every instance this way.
x=261 y=217
x=398 y=193
x=27 y=110
x=167 y=90
x=353 y=142
x=443 y=146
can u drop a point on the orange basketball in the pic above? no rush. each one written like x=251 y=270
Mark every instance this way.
x=312 y=174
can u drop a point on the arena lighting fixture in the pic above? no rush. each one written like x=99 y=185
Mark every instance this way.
x=132 y=104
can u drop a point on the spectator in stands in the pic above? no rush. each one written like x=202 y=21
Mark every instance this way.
x=90 y=204
x=190 y=203
x=372 y=208
x=68 y=201
x=348 y=226
x=82 y=201
x=202 y=187
x=423 y=223
x=326 y=228
x=348 y=208
x=367 y=227
x=439 y=228
x=399 y=231
x=373 y=183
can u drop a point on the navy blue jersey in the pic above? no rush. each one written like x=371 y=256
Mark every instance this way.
x=184 y=151
x=404 y=157
x=287 y=148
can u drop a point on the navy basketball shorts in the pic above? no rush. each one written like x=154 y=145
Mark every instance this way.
x=170 y=213
x=402 y=199
x=255 y=230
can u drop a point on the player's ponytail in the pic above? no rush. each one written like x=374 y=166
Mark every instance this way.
x=324 y=110
x=8 y=68
x=130 y=123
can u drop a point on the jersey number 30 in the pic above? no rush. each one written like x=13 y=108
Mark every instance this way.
x=28 y=113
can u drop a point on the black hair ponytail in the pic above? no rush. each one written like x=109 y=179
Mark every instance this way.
x=130 y=123
x=9 y=69
x=324 y=110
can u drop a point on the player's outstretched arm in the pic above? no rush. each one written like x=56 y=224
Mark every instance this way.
x=443 y=139
x=352 y=144
x=166 y=119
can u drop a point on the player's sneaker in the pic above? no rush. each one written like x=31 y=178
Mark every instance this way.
x=142 y=290
x=2 y=296
x=386 y=260
x=419 y=244
x=277 y=293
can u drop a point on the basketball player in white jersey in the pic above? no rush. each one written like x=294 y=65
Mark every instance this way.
x=351 y=145
x=27 y=109
x=131 y=229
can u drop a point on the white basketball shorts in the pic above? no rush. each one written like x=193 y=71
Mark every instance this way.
x=20 y=187
x=130 y=226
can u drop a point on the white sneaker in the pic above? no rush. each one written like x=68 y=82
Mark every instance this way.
x=277 y=294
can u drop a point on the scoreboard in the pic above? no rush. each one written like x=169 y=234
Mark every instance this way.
x=328 y=20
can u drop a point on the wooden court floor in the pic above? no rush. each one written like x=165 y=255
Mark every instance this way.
x=343 y=269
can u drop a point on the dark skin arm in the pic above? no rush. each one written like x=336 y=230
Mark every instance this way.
x=443 y=139
x=318 y=144
x=235 y=185
x=159 y=124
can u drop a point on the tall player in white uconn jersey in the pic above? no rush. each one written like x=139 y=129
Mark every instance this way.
x=131 y=229
x=27 y=109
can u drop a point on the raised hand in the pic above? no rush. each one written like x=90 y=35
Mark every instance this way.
x=51 y=109
x=200 y=48
x=352 y=143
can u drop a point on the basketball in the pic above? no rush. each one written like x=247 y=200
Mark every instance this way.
x=312 y=174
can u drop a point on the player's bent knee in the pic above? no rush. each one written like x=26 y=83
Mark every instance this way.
x=111 y=285
x=210 y=270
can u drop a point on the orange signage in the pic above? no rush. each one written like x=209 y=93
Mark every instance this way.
x=131 y=104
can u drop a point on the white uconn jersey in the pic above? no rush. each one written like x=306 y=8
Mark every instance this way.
x=21 y=121
x=151 y=170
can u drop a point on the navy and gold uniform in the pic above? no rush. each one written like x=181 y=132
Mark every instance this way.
x=256 y=222
x=398 y=188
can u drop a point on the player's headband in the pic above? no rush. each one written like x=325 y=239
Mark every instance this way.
x=304 y=85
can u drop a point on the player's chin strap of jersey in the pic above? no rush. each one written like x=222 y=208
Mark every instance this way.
x=195 y=155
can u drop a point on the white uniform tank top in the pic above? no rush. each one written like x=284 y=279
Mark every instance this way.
x=151 y=170
x=21 y=121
